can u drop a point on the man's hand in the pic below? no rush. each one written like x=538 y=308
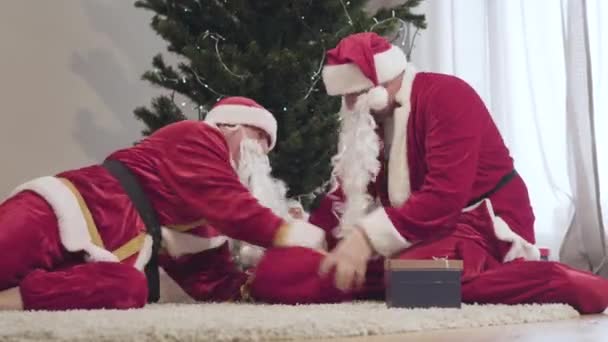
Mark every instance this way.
x=349 y=258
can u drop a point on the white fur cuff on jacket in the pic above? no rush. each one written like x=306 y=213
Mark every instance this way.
x=382 y=234
x=301 y=233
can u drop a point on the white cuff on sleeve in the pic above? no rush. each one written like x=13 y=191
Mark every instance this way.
x=382 y=234
x=300 y=233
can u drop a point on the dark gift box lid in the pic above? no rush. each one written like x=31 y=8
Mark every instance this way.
x=430 y=264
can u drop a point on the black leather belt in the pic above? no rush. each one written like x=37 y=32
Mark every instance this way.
x=131 y=186
x=503 y=181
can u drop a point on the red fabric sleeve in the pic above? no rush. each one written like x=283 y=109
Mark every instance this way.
x=324 y=215
x=209 y=275
x=454 y=128
x=290 y=276
x=198 y=170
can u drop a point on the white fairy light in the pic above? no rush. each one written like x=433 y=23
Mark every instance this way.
x=315 y=78
x=350 y=20
x=217 y=37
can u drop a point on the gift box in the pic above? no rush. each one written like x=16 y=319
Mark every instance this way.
x=423 y=283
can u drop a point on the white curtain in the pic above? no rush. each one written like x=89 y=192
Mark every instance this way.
x=541 y=67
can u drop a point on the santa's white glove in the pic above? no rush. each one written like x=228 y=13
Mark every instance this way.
x=300 y=233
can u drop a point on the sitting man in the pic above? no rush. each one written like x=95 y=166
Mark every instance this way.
x=79 y=240
x=421 y=172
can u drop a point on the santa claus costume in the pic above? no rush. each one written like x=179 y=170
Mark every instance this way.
x=435 y=179
x=75 y=240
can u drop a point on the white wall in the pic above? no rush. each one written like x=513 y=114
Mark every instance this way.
x=69 y=81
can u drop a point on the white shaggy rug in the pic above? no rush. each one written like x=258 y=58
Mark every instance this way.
x=248 y=322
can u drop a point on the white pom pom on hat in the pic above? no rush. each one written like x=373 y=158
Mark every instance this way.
x=377 y=98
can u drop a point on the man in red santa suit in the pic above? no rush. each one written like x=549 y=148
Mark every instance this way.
x=75 y=240
x=421 y=172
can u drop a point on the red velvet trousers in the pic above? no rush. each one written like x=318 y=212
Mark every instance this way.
x=51 y=278
x=289 y=275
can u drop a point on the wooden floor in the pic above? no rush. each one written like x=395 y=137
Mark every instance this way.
x=587 y=328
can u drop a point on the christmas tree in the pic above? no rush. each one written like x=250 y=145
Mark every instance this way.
x=271 y=51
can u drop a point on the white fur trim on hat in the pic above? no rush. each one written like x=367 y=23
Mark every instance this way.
x=245 y=115
x=348 y=78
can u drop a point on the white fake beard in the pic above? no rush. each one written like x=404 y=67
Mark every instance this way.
x=254 y=172
x=356 y=163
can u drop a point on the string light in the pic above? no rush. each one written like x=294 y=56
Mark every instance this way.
x=404 y=32
x=350 y=20
x=201 y=82
x=198 y=79
x=217 y=37
x=200 y=109
x=315 y=77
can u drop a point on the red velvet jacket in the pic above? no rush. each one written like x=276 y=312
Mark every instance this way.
x=185 y=170
x=445 y=151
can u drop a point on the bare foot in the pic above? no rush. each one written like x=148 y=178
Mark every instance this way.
x=11 y=299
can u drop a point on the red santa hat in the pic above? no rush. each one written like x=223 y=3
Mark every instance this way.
x=237 y=110
x=362 y=61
